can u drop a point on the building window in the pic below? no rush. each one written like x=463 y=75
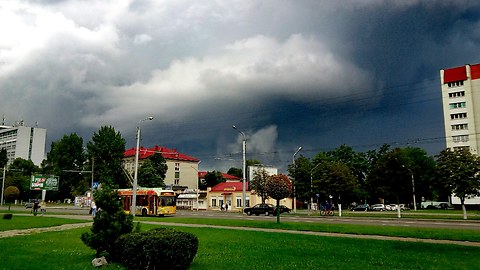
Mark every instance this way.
x=460 y=127
x=214 y=202
x=239 y=202
x=177 y=174
x=247 y=202
x=458 y=116
x=456 y=94
x=455 y=84
x=457 y=105
x=460 y=138
x=176 y=182
x=177 y=166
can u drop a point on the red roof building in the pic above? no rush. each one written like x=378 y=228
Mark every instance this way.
x=182 y=169
x=227 y=193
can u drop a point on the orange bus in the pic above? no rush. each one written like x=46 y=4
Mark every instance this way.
x=150 y=201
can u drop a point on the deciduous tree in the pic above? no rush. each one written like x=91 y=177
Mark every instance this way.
x=107 y=147
x=3 y=158
x=66 y=160
x=278 y=187
x=458 y=172
x=213 y=178
x=258 y=183
x=152 y=172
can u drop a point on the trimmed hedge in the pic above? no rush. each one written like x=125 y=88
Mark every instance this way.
x=7 y=216
x=161 y=248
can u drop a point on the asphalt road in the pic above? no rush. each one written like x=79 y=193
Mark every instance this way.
x=376 y=221
x=403 y=222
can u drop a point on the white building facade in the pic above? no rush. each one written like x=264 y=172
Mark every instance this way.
x=461 y=111
x=23 y=142
x=461 y=107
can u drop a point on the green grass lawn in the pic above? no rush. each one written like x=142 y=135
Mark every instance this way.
x=426 y=233
x=236 y=249
x=25 y=222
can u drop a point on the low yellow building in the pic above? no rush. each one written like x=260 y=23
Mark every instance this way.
x=230 y=194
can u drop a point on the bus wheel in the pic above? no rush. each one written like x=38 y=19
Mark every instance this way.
x=144 y=212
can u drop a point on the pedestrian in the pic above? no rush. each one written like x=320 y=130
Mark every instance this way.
x=226 y=207
x=93 y=208
x=43 y=207
x=35 y=208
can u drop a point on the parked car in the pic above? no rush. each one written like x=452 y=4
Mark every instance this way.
x=378 y=207
x=260 y=209
x=391 y=207
x=360 y=207
x=284 y=209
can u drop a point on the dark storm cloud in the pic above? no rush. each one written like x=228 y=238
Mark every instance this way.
x=310 y=73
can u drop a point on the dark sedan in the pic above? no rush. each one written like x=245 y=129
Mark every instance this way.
x=284 y=209
x=260 y=209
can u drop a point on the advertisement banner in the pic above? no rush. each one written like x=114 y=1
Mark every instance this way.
x=44 y=182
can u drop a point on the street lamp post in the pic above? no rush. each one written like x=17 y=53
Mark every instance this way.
x=413 y=188
x=413 y=191
x=244 y=165
x=135 y=180
x=197 y=180
x=294 y=173
x=311 y=185
x=3 y=183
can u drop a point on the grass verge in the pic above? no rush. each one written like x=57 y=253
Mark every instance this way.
x=236 y=249
x=27 y=222
x=400 y=231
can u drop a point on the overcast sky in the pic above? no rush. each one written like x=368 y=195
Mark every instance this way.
x=315 y=74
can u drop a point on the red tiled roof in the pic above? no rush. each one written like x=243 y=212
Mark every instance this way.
x=224 y=175
x=166 y=153
x=229 y=186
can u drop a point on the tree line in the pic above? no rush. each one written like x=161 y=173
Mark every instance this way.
x=78 y=166
x=386 y=175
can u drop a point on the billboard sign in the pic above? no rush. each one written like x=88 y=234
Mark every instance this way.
x=44 y=182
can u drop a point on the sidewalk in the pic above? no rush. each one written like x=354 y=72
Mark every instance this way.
x=12 y=233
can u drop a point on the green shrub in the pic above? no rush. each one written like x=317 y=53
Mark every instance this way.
x=160 y=248
x=109 y=223
x=7 y=216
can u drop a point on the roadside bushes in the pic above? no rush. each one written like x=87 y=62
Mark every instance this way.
x=161 y=248
x=7 y=216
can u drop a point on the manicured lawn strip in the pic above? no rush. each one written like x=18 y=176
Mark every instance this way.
x=236 y=249
x=232 y=249
x=421 y=214
x=50 y=250
x=425 y=233
x=27 y=222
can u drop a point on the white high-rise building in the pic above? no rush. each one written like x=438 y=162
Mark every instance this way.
x=23 y=142
x=461 y=111
x=461 y=107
